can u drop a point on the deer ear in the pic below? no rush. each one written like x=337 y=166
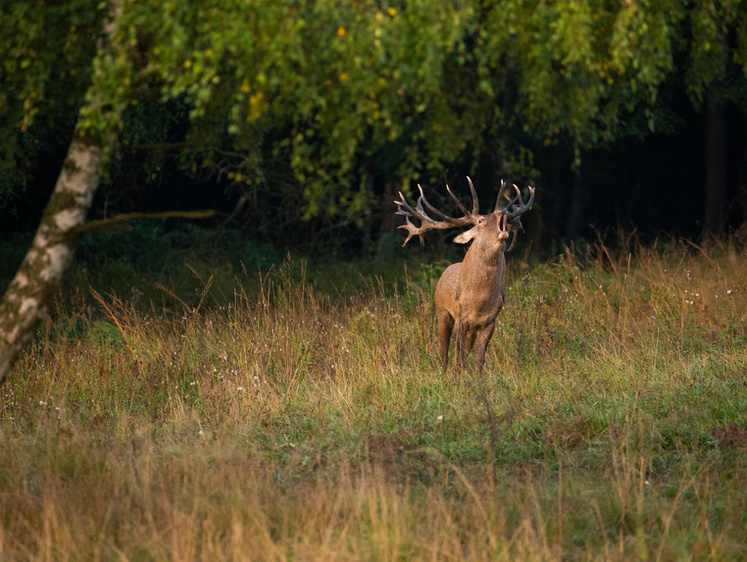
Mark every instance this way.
x=465 y=237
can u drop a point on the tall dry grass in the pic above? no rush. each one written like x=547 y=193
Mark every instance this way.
x=297 y=424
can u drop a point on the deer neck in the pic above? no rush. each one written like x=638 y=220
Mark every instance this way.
x=482 y=251
x=484 y=265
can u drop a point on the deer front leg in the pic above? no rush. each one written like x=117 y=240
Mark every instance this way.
x=445 y=327
x=461 y=345
x=471 y=334
x=465 y=341
x=482 y=343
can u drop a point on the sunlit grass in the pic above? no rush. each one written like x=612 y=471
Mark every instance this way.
x=291 y=422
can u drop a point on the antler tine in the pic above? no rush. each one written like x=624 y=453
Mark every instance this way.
x=511 y=203
x=500 y=192
x=408 y=211
x=518 y=195
x=412 y=230
x=426 y=222
x=522 y=207
x=431 y=208
x=475 y=202
x=457 y=201
x=404 y=209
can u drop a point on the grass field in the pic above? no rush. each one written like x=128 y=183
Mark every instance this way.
x=292 y=421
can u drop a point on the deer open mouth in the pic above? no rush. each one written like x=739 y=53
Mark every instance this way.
x=502 y=225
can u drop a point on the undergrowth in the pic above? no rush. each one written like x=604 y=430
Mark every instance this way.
x=288 y=418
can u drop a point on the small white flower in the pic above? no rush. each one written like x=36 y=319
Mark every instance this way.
x=440 y=418
x=193 y=383
x=728 y=292
x=240 y=389
x=200 y=433
x=42 y=403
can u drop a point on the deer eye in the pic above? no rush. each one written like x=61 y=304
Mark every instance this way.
x=481 y=221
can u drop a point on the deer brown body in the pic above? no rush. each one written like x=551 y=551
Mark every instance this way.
x=469 y=295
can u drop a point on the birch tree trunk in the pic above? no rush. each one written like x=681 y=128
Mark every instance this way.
x=25 y=302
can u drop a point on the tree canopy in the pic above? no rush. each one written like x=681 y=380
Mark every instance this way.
x=338 y=89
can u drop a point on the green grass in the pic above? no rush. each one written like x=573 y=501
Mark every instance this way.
x=290 y=417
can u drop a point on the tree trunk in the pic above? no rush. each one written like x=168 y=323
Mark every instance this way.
x=25 y=301
x=715 y=187
x=577 y=208
x=388 y=222
x=742 y=171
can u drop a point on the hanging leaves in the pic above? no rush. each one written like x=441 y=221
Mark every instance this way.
x=333 y=86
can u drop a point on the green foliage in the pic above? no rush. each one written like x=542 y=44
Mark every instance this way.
x=143 y=245
x=147 y=252
x=342 y=91
x=718 y=53
x=583 y=68
x=342 y=79
x=45 y=59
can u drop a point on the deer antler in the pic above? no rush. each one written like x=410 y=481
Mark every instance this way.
x=514 y=209
x=426 y=222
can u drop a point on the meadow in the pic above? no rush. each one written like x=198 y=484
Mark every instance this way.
x=301 y=414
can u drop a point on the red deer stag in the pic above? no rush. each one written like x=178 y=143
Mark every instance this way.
x=469 y=294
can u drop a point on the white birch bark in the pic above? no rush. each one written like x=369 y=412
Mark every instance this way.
x=24 y=304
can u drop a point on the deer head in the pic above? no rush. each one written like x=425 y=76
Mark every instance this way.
x=469 y=295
